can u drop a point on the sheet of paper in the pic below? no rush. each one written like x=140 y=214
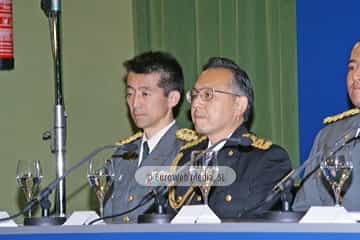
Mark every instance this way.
x=196 y=214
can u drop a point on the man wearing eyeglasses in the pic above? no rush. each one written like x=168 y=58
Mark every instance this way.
x=221 y=105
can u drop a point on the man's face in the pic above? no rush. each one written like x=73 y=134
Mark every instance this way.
x=353 y=76
x=221 y=115
x=150 y=109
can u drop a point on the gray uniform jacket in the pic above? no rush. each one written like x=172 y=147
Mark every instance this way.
x=126 y=192
x=315 y=191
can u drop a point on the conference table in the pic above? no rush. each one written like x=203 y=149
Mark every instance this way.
x=244 y=231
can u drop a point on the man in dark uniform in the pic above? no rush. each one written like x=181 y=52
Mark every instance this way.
x=154 y=88
x=315 y=191
x=221 y=103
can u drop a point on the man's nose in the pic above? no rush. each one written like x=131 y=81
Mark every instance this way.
x=357 y=73
x=196 y=101
x=137 y=100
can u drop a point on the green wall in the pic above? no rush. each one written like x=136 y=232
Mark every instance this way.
x=97 y=38
x=260 y=35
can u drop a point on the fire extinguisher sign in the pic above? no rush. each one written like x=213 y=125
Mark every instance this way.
x=6 y=35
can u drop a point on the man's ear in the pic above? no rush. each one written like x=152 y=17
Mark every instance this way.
x=241 y=104
x=173 y=98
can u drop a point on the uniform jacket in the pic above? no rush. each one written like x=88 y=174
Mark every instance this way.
x=258 y=168
x=126 y=192
x=315 y=191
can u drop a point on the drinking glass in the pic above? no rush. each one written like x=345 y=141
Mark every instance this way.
x=28 y=177
x=100 y=176
x=336 y=169
x=204 y=170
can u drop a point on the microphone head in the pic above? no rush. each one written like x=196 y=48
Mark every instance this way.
x=242 y=141
x=124 y=150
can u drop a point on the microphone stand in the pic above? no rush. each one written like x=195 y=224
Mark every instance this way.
x=160 y=215
x=43 y=194
x=285 y=185
x=52 y=9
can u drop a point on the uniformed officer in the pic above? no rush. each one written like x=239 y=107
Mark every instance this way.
x=315 y=191
x=221 y=103
x=154 y=88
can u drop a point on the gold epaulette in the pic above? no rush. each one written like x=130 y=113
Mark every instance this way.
x=130 y=139
x=192 y=143
x=257 y=142
x=176 y=203
x=342 y=115
x=187 y=134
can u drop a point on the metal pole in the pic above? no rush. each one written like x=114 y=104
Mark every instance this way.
x=52 y=9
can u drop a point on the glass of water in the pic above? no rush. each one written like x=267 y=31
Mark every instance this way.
x=337 y=169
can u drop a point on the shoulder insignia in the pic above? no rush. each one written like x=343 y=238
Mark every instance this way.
x=130 y=139
x=342 y=115
x=192 y=143
x=187 y=134
x=257 y=142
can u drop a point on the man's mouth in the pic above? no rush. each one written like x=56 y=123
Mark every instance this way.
x=137 y=115
x=356 y=86
x=200 y=116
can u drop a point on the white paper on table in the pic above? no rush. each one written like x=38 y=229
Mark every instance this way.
x=8 y=223
x=326 y=214
x=196 y=214
x=82 y=218
x=355 y=215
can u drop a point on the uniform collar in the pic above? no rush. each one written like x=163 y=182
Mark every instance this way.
x=236 y=134
x=220 y=145
x=154 y=140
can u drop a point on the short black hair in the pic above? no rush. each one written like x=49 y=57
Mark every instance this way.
x=241 y=82
x=171 y=74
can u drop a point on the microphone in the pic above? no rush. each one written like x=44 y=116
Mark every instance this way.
x=43 y=194
x=351 y=134
x=50 y=6
x=155 y=193
x=288 y=181
x=55 y=5
x=160 y=191
x=124 y=151
x=241 y=141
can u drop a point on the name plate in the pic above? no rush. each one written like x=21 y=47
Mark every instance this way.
x=325 y=214
x=195 y=214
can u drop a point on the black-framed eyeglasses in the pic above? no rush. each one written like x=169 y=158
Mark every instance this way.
x=206 y=94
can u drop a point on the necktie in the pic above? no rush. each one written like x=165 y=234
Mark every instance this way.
x=145 y=150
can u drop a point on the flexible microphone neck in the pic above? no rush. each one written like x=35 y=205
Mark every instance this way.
x=53 y=184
